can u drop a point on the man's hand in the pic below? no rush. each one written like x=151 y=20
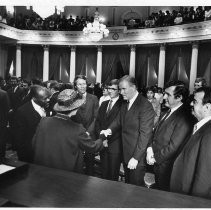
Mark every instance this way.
x=105 y=143
x=106 y=133
x=132 y=164
x=150 y=156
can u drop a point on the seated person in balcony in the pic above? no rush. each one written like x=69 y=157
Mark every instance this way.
x=207 y=14
x=178 y=20
x=59 y=142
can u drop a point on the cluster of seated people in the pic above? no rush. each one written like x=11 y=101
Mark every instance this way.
x=162 y=131
x=182 y=16
x=53 y=23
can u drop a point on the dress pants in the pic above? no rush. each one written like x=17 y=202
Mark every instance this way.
x=110 y=164
x=135 y=176
x=163 y=175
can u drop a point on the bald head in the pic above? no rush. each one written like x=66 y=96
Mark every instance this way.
x=40 y=95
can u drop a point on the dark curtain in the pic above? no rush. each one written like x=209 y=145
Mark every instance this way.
x=86 y=62
x=141 y=66
x=3 y=59
x=54 y=62
x=108 y=64
x=172 y=54
x=124 y=57
x=11 y=58
x=65 y=65
x=31 y=62
x=204 y=56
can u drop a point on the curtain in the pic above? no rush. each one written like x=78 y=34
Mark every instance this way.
x=124 y=57
x=31 y=62
x=54 y=63
x=65 y=65
x=109 y=57
x=141 y=66
x=10 y=59
x=204 y=56
x=3 y=59
x=86 y=62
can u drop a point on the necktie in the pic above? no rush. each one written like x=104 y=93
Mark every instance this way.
x=109 y=106
x=162 y=119
x=128 y=105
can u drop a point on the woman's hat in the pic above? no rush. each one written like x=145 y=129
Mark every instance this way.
x=68 y=100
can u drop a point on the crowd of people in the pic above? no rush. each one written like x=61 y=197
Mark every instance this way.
x=162 y=131
x=156 y=19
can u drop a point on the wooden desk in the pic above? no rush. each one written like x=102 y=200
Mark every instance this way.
x=47 y=187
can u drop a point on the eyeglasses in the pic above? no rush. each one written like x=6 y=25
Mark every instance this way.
x=112 y=89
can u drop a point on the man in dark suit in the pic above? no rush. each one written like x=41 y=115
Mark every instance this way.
x=171 y=133
x=111 y=155
x=191 y=170
x=86 y=115
x=4 y=110
x=26 y=120
x=135 y=120
x=59 y=141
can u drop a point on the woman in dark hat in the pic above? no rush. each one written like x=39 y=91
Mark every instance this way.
x=59 y=142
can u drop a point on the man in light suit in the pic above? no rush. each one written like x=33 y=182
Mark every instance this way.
x=171 y=134
x=191 y=171
x=111 y=155
x=86 y=115
x=135 y=119
x=26 y=120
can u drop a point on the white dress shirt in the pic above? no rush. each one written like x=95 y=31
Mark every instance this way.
x=131 y=101
x=201 y=123
x=38 y=109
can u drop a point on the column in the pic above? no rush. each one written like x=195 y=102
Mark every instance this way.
x=18 y=60
x=161 y=68
x=72 y=63
x=132 y=60
x=193 y=68
x=46 y=63
x=99 y=64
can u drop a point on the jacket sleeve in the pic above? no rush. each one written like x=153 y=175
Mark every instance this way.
x=146 y=122
x=87 y=144
x=180 y=133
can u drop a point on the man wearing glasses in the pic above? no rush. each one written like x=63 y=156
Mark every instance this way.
x=111 y=155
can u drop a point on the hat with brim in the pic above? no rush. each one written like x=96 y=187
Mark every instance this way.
x=68 y=100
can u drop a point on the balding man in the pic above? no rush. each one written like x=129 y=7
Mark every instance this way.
x=135 y=120
x=26 y=120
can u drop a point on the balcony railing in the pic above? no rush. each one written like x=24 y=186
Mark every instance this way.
x=117 y=36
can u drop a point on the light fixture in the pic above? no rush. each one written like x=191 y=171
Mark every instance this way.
x=96 y=30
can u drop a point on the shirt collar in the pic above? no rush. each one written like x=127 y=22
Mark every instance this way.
x=134 y=98
x=114 y=100
x=175 y=108
x=202 y=122
x=38 y=109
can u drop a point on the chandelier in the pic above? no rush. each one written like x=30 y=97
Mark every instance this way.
x=96 y=30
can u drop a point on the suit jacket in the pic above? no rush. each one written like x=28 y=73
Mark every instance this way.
x=87 y=113
x=25 y=124
x=191 y=170
x=170 y=137
x=59 y=142
x=4 y=109
x=136 y=126
x=104 y=120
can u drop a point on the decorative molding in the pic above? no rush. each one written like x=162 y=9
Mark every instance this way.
x=73 y=48
x=46 y=47
x=171 y=34
x=132 y=48
x=99 y=48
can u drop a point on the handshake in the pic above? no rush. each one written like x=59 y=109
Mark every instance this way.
x=104 y=134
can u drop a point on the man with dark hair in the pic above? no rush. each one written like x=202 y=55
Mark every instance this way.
x=86 y=115
x=111 y=155
x=26 y=120
x=170 y=134
x=191 y=171
x=135 y=120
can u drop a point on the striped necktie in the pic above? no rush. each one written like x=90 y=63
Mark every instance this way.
x=109 y=107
